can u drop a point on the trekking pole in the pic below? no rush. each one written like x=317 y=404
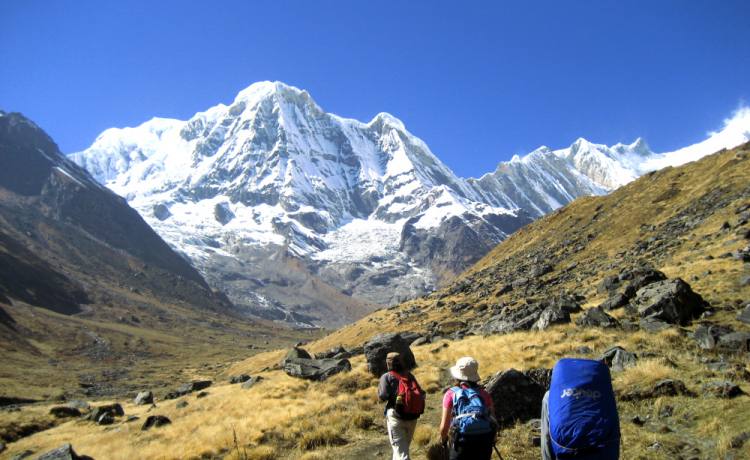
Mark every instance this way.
x=494 y=446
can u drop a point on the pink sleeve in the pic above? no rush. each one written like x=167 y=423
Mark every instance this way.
x=448 y=399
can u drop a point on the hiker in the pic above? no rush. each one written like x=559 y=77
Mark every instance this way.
x=468 y=424
x=404 y=404
x=579 y=414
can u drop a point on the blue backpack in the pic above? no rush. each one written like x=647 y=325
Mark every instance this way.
x=471 y=416
x=583 y=421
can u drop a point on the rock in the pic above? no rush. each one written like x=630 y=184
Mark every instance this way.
x=672 y=301
x=666 y=387
x=744 y=315
x=666 y=411
x=297 y=353
x=736 y=342
x=420 y=341
x=653 y=325
x=155 y=421
x=144 y=397
x=188 y=388
x=516 y=395
x=78 y=404
x=161 y=212
x=316 y=369
x=609 y=283
x=64 y=452
x=201 y=394
x=181 y=404
x=2 y=447
x=595 y=317
x=239 y=379
x=21 y=455
x=637 y=420
x=110 y=410
x=550 y=316
x=379 y=346
x=584 y=350
x=617 y=300
x=251 y=381
x=510 y=320
x=739 y=440
x=105 y=419
x=707 y=335
x=722 y=389
x=65 y=411
x=642 y=277
x=618 y=359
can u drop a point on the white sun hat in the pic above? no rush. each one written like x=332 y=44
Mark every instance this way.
x=466 y=369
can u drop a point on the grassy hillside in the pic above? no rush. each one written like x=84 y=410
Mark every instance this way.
x=673 y=220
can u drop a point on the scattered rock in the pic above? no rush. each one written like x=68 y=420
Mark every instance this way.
x=78 y=404
x=596 y=317
x=420 y=341
x=737 y=342
x=722 y=389
x=2 y=447
x=181 y=404
x=642 y=277
x=131 y=418
x=250 y=382
x=517 y=395
x=144 y=397
x=666 y=387
x=509 y=320
x=239 y=379
x=297 y=353
x=637 y=420
x=617 y=358
x=105 y=415
x=744 y=315
x=188 y=388
x=201 y=394
x=707 y=335
x=379 y=346
x=316 y=369
x=155 y=421
x=550 y=316
x=65 y=411
x=64 y=452
x=666 y=411
x=21 y=455
x=584 y=350
x=618 y=300
x=653 y=325
x=672 y=301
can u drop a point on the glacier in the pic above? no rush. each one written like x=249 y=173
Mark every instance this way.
x=307 y=217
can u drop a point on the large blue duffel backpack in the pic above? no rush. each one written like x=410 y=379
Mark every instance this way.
x=583 y=422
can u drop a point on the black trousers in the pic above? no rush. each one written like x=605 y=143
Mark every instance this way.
x=477 y=447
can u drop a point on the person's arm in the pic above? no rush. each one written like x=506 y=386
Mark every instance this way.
x=445 y=424
x=445 y=420
x=384 y=390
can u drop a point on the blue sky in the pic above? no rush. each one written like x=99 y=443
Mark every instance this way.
x=477 y=81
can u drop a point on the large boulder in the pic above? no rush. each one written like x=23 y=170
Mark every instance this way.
x=618 y=359
x=672 y=301
x=596 y=317
x=65 y=452
x=550 y=316
x=315 y=369
x=517 y=396
x=617 y=300
x=378 y=348
x=722 y=389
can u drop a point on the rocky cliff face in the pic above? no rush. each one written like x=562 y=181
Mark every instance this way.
x=292 y=210
x=58 y=222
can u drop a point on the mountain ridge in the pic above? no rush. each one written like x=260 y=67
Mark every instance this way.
x=272 y=171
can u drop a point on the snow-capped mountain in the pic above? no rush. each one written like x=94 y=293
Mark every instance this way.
x=302 y=214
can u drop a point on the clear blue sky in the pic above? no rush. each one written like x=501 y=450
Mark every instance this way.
x=478 y=81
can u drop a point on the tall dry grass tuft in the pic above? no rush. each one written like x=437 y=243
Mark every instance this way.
x=645 y=373
x=322 y=436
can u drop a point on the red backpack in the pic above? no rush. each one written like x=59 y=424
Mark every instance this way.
x=409 y=398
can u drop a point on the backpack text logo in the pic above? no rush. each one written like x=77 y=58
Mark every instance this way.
x=581 y=393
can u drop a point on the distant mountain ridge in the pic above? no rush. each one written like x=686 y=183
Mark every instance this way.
x=295 y=211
